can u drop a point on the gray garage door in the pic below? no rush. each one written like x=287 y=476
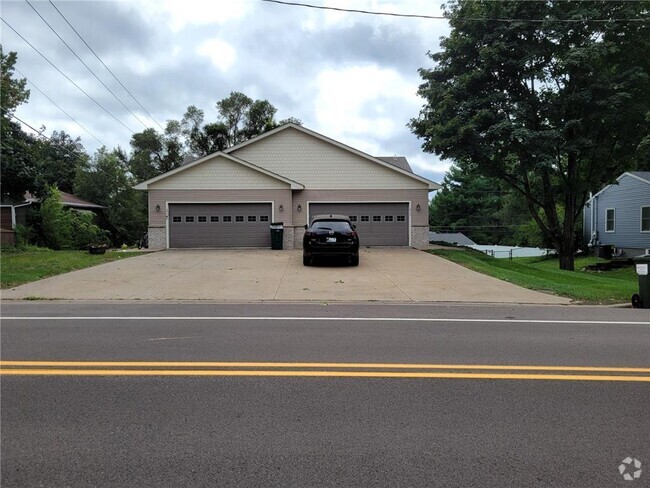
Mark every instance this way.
x=378 y=224
x=220 y=225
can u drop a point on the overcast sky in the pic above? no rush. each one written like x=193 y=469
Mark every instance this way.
x=351 y=77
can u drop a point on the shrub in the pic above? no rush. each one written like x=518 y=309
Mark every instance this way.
x=63 y=228
x=25 y=235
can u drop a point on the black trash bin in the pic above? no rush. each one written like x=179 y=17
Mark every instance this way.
x=642 y=265
x=277 y=232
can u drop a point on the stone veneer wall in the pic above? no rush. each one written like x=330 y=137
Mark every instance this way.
x=288 y=238
x=419 y=236
x=157 y=238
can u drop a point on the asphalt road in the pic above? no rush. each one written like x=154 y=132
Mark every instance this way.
x=236 y=425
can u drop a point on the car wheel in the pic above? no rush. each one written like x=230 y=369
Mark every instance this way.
x=306 y=260
x=354 y=260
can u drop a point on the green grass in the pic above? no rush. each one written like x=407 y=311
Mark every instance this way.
x=19 y=267
x=543 y=274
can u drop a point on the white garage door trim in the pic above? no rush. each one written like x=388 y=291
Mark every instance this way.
x=408 y=202
x=209 y=202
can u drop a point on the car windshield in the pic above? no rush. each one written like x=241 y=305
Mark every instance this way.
x=335 y=225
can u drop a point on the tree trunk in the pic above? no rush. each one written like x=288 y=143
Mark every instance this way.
x=566 y=256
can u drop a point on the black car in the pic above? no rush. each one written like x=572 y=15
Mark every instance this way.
x=330 y=236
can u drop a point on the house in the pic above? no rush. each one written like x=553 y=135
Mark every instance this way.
x=16 y=213
x=453 y=238
x=288 y=175
x=619 y=215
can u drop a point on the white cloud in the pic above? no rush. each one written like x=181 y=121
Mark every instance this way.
x=180 y=14
x=357 y=101
x=222 y=54
x=429 y=164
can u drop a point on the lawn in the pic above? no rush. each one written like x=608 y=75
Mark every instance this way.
x=35 y=263
x=543 y=274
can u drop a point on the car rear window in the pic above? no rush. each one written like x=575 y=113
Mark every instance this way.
x=335 y=225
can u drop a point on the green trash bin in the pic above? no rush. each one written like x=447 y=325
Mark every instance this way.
x=642 y=265
x=277 y=232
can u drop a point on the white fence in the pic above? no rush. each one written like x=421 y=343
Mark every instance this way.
x=509 y=252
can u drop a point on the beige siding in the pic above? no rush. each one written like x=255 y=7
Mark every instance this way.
x=414 y=197
x=218 y=173
x=162 y=197
x=320 y=165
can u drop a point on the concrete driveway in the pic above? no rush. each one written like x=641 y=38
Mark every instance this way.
x=384 y=274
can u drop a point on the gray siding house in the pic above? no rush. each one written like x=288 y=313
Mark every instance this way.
x=619 y=215
x=289 y=174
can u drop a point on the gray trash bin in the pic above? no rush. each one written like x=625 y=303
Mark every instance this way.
x=642 y=265
x=277 y=232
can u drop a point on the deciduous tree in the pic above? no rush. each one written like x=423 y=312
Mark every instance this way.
x=554 y=102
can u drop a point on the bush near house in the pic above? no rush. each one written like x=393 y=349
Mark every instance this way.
x=58 y=227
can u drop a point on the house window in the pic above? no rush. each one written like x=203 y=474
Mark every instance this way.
x=214 y=218
x=239 y=218
x=401 y=218
x=353 y=218
x=610 y=220
x=645 y=219
x=376 y=218
x=365 y=218
x=252 y=218
x=227 y=218
x=388 y=218
x=203 y=219
x=264 y=218
x=189 y=218
x=176 y=219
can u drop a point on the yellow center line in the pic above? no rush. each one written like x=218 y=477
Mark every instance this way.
x=239 y=364
x=319 y=374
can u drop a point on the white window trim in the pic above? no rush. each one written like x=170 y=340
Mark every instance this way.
x=641 y=220
x=614 y=229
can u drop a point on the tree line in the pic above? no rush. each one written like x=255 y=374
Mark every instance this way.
x=45 y=165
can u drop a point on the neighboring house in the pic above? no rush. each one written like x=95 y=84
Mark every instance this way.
x=455 y=239
x=15 y=213
x=619 y=215
x=289 y=174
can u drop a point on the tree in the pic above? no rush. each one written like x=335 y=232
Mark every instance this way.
x=17 y=170
x=554 y=109
x=244 y=117
x=469 y=203
x=153 y=153
x=106 y=182
x=12 y=91
x=201 y=138
x=58 y=160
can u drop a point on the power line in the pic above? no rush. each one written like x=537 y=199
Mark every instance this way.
x=107 y=68
x=442 y=17
x=85 y=65
x=67 y=77
x=40 y=134
x=57 y=106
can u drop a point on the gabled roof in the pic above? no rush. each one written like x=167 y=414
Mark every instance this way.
x=432 y=185
x=67 y=199
x=643 y=176
x=399 y=161
x=294 y=184
x=457 y=238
